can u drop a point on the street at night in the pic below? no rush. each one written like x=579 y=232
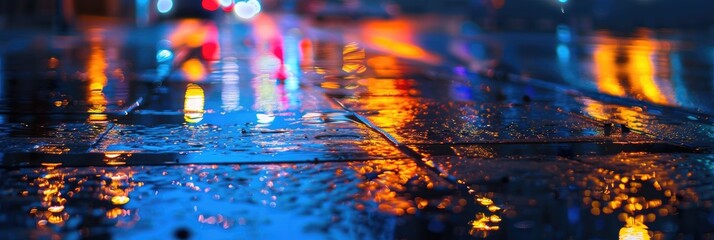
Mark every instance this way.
x=356 y=119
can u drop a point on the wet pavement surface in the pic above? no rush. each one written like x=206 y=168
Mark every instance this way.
x=386 y=129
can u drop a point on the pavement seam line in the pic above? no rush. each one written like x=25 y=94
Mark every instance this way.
x=101 y=136
x=406 y=150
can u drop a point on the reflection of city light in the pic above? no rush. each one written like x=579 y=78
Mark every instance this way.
x=194 y=70
x=402 y=49
x=392 y=176
x=606 y=68
x=483 y=223
x=267 y=95
x=117 y=192
x=96 y=74
x=164 y=6
x=396 y=37
x=51 y=186
x=291 y=85
x=353 y=58
x=634 y=230
x=384 y=65
x=97 y=79
x=230 y=94
x=266 y=63
x=120 y=200
x=193 y=103
x=646 y=82
x=57 y=186
x=636 y=196
x=617 y=114
x=247 y=9
x=642 y=73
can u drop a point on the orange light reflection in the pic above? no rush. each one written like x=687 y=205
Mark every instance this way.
x=645 y=81
x=642 y=72
x=194 y=103
x=638 y=195
x=395 y=38
x=194 y=70
x=96 y=74
x=606 y=68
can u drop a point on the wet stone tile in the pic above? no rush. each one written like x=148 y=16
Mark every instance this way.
x=209 y=143
x=52 y=138
x=380 y=199
x=622 y=195
x=668 y=125
x=423 y=121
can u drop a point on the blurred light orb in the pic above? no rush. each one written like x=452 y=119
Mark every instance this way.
x=225 y=3
x=120 y=200
x=210 y=5
x=164 y=56
x=563 y=1
x=564 y=33
x=247 y=10
x=164 y=6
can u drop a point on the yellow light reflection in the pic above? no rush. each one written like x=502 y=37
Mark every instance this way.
x=402 y=49
x=56 y=186
x=116 y=190
x=637 y=196
x=634 y=230
x=632 y=117
x=395 y=37
x=483 y=223
x=115 y=158
x=391 y=95
x=53 y=149
x=50 y=186
x=386 y=180
x=353 y=56
x=96 y=74
x=120 y=200
x=193 y=106
x=390 y=179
